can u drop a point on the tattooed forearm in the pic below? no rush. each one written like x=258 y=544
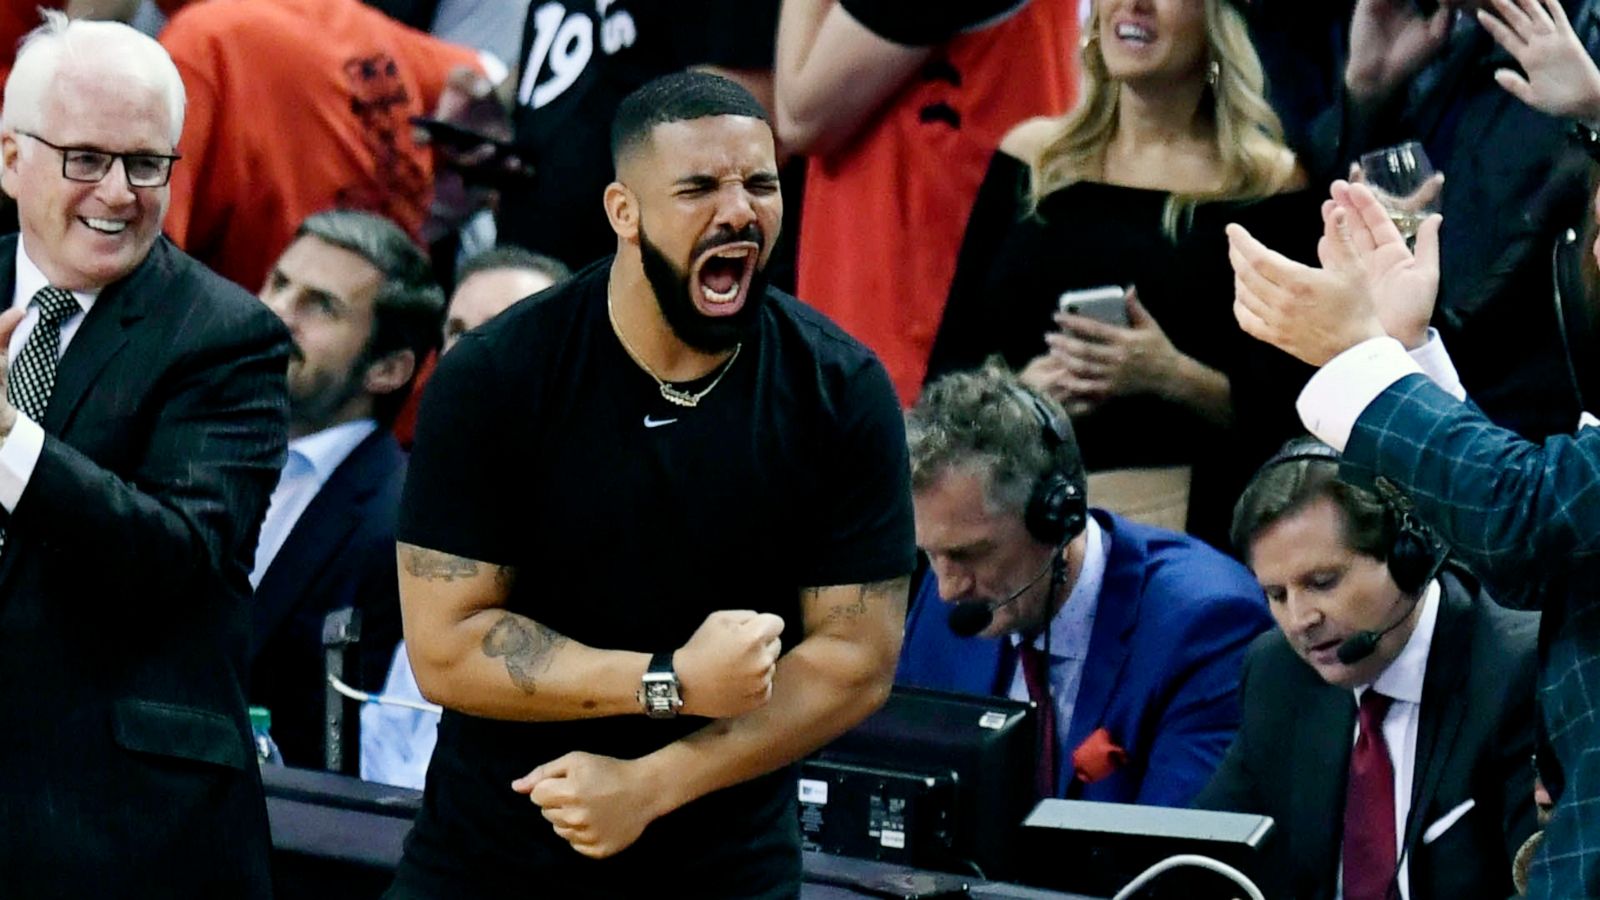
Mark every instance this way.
x=525 y=645
x=432 y=565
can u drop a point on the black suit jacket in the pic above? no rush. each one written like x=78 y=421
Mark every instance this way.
x=126 y=764
x=1474 y=742
x=339 y=554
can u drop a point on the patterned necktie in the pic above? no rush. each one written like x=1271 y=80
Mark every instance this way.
x=33 y=374
x=1369 y=835
x=1036 y=675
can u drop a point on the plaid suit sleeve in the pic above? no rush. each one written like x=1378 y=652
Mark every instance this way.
x=1516 y=512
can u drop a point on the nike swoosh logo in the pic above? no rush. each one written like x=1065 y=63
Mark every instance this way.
x=657 y=423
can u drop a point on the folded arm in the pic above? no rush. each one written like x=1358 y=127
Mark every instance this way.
x=190 y=509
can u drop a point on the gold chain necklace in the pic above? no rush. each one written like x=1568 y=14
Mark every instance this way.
x=668 y=392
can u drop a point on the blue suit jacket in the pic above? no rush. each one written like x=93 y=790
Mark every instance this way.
x=1526 y=519
x=1162 y=674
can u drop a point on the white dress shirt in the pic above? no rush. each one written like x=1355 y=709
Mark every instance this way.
x=311 y=462
x=1402 y=681
x=19 y=451
x=1070 y=631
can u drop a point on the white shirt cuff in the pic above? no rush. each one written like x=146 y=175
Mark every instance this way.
x=1341 y=390
x=493 y=68
x=1586 y=420
x=19 y=453
x=1438 y=366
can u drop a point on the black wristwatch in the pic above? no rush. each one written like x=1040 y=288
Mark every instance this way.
x=659 y=693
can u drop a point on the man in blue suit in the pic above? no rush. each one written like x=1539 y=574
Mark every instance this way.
x=362 y=309
x=1524 y=517
x=1138 y=632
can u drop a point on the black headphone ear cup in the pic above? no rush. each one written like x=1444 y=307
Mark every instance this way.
x=1412 y=557
x=1056 y=509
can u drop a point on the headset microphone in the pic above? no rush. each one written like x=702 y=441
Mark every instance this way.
x=1363 y=644
x=967 y=619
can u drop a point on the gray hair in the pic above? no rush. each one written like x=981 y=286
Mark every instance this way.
x=62 y=42
x=976 y=422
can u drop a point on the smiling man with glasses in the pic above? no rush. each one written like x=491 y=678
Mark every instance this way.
x=142 y=427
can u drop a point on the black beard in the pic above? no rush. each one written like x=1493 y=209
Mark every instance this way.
x=707 y=334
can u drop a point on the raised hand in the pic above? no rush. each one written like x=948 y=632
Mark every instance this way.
x=1561 y=79
x=726 y=668
x=1389 y=42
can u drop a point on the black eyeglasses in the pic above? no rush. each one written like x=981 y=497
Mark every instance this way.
x=89 y=165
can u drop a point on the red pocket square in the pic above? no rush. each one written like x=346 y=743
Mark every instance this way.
x=1097 y=757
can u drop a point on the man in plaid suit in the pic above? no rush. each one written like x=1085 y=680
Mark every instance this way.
x=1525 y=517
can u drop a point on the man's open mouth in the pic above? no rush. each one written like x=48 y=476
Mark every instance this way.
x=721 y=277
x=104 y=226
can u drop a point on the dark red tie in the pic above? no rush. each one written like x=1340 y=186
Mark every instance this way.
x=1036 y=674
x=1369 y=840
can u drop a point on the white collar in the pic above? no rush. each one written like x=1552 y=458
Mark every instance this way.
x=1404 y=677
x=327 y=448
x=1077 y=612
x=30 y=280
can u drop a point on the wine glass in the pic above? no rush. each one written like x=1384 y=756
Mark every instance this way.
x=1404 y=181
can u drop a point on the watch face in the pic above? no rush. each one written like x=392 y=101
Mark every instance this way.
x=661 y=697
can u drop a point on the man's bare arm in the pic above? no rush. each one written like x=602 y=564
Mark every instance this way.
x=835 y=677
x=470 y=654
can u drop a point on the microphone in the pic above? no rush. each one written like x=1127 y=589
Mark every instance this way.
x=1363 y=644
x=967 y=619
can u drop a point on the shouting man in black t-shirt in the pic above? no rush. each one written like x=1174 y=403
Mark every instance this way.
x=622 y=494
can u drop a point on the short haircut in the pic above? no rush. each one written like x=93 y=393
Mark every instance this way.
x=512 y=257
x=409 y=306
x=679 y=97
x=1282 y=489
x=978 y=422
x=95 y=47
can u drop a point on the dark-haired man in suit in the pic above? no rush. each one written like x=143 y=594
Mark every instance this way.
x=361 y=306
x=140 y=430
x=1434 y=681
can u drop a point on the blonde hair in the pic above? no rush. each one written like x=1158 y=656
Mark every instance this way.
x=1255 y=161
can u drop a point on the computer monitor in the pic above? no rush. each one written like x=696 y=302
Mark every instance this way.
x=1098 y=848
x=985 y=746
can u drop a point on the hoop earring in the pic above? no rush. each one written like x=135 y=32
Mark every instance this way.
x=1213 y=73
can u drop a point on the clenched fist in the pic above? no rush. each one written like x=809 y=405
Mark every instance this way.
x=726 y=667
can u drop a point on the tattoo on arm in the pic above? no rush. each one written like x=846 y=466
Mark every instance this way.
x=854 y=605
x=435 y=566
x=525 y=645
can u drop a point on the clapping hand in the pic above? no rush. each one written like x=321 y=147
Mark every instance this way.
x=1561 y=79
x=1370 y=282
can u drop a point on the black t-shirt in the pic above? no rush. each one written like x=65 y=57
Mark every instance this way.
x=579 y=59
x=919 y=23
x=541 y=446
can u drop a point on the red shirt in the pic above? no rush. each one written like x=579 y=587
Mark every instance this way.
x=295 y=107
x=883 y=219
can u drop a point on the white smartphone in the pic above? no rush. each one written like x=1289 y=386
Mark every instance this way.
x=1103 y=304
